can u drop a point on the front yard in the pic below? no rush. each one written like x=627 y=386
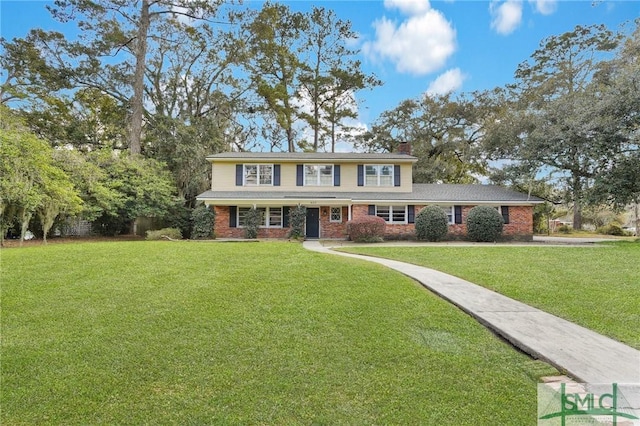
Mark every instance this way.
x=597 y=287
x=242 y=333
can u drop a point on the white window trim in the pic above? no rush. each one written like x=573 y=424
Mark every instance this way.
x=390 y=221
x=318 y=176
x=244 y=175
x=451 y=216
x=379 y=175
x=265 y=223
x=331 y=215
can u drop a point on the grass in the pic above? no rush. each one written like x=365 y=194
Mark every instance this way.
x=242 y=333
x=597 y=287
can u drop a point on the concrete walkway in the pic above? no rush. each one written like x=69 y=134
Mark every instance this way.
x=583 y=354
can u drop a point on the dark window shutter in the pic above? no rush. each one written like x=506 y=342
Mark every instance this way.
x=336 y=175
x=276 y=175
x=299 y=175
x=238 y=174
x=411 y=214
x=285 y=217
x=396 y=175
x=372 y=210
x=457 y=214
x=232 y=216
x=360 y=174
x=505 y=214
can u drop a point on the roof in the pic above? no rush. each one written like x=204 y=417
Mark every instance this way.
x=421 y=193
x=310 y=156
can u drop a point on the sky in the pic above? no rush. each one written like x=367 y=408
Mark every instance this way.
x=419 y=47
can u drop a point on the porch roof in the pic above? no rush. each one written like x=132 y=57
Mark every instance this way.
x=421 y=194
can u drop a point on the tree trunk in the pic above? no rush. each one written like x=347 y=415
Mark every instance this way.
x=333 y=136
x=137 y=107
x=577 y=203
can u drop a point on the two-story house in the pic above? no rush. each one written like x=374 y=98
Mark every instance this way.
x=338 y=187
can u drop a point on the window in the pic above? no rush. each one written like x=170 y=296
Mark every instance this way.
x=336 y=214
x=392 y=214
x=449 y=211
x=258 y=174
x=378 y=175
x=318 y=175
x=271 y=216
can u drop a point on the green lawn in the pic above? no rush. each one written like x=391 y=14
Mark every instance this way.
x=242 y=333
x=597 y=287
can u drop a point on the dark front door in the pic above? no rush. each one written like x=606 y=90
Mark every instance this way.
x=313 y=223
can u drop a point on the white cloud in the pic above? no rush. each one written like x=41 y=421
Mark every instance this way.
x=545 y=7
x=420 y=45
x=447 y=82
x=408 y=7
x=506 y=16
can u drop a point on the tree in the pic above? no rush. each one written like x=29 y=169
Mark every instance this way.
x=617 y=183
x=116 y=29
x=330 y=75
x=194 y=99
x=273 y=61
x=443 y=133
x=557 y=123
x=30 y=181
x=144 y=188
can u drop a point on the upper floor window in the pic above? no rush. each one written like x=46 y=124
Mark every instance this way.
x=378 y=175
x=318 y=174
x=258 y=174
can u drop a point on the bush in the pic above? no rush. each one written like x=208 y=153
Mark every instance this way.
x=611 y=229
x=297 y=219
x=432 y=224
x=202 y=220
x=252 y=221
x=484 y=224
x=564 y=229
x=369 y=229
x=171 y=233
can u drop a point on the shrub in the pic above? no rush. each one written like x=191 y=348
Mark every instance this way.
x=369 y=229
x=564 y=229
x=431 y=224
x=252 y=221
x=297 y=219
x=171 y=233
x=611 y=229
x=484 y=224
x=202 y=220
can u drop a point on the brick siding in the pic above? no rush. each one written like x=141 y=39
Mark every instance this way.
x=520 y=226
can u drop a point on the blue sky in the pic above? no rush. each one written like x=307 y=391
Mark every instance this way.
x=417 y=46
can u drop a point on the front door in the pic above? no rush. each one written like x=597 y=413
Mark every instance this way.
x=313 y=223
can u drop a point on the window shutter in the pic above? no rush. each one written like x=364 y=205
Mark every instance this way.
x=411 y=214
x=457 y=214
x=360 y=174
x=276 y=175
x=238 y=174
x=396 y=175
x=505 y=214
x=232 y=216
x=285 y=217
x=372 y=210
x=336 y=175
x=299 y=175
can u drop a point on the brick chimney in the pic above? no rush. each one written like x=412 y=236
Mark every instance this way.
x=404 y=148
